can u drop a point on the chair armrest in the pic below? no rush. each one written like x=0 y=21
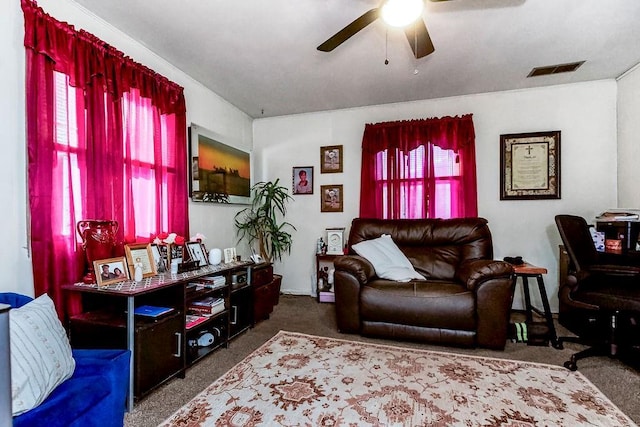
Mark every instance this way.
x=615 y=270
x=357 y=266
x=475 y=272
x=565 y=294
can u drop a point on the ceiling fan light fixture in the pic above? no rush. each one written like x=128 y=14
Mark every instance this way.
x=400 y=13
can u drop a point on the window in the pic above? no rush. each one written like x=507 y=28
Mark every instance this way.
x=405 y=174
x=140 y=162
x=106 y=139
x=413 y=196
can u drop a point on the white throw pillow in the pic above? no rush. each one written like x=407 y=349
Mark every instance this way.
x=40 y=353
x=387 y=259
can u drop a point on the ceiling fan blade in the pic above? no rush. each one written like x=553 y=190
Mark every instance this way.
x=343 y=35
x=419 y=39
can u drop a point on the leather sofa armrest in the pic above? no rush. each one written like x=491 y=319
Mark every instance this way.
x=493 y=283
x=357 y=266
x=352 y=272
x=475 y=272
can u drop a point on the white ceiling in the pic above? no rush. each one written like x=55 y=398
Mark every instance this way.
x=260 y=55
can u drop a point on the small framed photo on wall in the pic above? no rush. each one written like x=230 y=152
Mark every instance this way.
x=302 y=177
x=331 y=198
x=331 y=159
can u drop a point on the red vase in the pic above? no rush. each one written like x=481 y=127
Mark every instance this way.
x=98 y=241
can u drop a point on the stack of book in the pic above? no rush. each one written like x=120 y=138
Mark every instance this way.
x=212 y=282
x=207 y=306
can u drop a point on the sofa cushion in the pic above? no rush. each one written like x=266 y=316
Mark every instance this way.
x=435 y=304
x=40 y=353
x=67 y=404
x=388 y=261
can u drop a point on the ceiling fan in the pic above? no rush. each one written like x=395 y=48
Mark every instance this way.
x=414 y=28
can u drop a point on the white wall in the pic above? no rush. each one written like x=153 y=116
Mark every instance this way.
x=585 y=113
x=628 y=139
x=203 y=107
x=14 y=260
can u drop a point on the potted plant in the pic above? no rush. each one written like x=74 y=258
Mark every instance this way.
x=263 y=220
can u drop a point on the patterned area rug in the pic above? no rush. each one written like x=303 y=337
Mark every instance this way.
x=303 y=380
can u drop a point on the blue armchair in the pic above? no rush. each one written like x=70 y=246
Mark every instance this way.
x=94 y=396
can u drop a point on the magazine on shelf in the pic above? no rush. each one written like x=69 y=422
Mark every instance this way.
x=192 y=320
x=152 y=310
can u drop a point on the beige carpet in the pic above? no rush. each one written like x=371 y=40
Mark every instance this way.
x=299 y=379
x=619 y=382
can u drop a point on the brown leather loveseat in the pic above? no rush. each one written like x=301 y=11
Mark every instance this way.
x=464 y=300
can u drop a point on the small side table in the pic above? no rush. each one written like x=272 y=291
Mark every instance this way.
x=525 y=271
x=327 y=295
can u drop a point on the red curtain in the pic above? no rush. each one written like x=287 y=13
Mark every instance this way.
x=106 y=139
x=402 y=176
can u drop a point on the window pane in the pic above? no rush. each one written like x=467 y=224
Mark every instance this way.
x=443 y=200
x=416 y=162
x=444 y=162
x=66 y=130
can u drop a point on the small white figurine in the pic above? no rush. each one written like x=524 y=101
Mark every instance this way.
x=137 y=275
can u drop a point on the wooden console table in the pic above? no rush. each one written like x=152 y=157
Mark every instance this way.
x=109 y=312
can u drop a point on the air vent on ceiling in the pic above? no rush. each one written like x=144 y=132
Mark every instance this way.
x=555 y=69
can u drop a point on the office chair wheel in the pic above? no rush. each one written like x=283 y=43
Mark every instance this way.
x=571 y=365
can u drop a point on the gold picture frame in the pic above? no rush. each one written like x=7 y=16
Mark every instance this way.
x=110 y=270
x=331 y=198
x=331 y=159
x=530 y=166
x=141 y=253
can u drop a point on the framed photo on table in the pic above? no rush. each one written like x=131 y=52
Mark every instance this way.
x=159 y=257
x=141 y=254
x=530 y=166
x=110 y=270
x=197 y=253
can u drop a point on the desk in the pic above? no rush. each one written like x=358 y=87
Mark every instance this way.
x=525 y=271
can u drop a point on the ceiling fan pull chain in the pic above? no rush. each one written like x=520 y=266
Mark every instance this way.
x=415 y=56
x=386 y=46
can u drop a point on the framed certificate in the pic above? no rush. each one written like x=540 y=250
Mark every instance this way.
x=530 y=166
x=141 y=254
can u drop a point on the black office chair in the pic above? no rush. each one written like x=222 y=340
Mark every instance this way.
x=599 y=294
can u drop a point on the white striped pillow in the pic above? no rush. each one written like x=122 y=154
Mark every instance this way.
x=40 y=353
